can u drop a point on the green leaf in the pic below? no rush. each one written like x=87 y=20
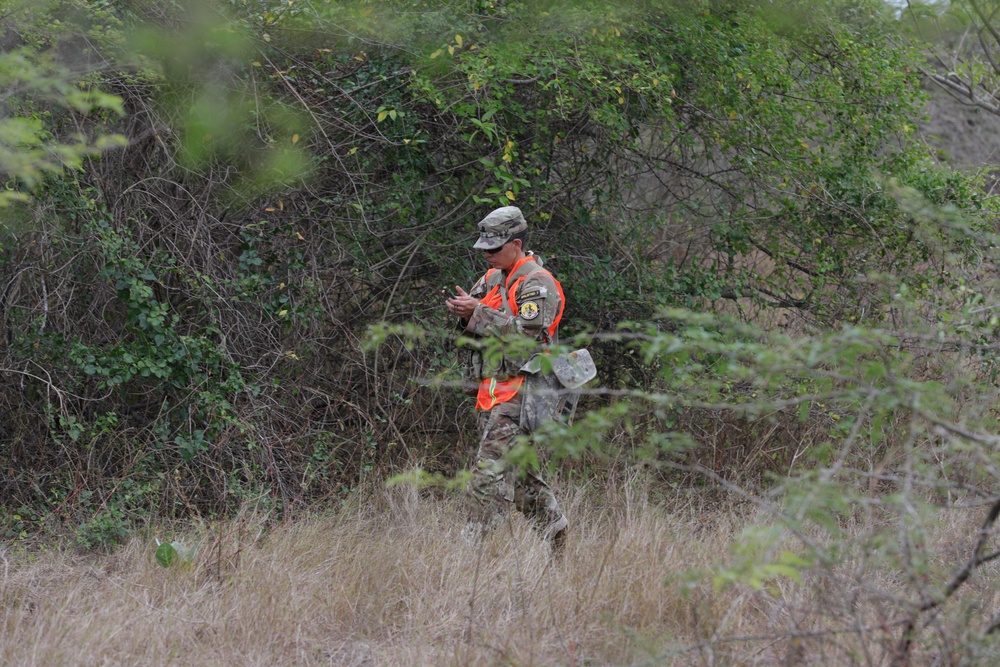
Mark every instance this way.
x=166 y=555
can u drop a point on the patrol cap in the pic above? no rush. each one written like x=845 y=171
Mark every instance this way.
x=497 y=227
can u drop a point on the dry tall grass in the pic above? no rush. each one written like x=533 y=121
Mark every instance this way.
x=389 y=582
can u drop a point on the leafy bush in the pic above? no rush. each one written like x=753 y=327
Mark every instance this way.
x=190 y=311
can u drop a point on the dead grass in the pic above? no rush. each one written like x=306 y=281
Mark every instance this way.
x=390 y=582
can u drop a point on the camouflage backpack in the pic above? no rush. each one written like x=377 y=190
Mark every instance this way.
x=552 y=386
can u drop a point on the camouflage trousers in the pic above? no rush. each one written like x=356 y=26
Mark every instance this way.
x=497 y=485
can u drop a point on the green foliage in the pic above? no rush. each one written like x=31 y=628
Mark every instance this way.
x=242 y=304
x=171 y=554
x=45 y=92
x=722 y=86
x=758 y=561
x=104 y=522
x=223 y=122
x=965 y=69
x=189 y=376
x=789 y=301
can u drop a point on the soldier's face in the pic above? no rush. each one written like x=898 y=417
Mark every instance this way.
x=505 y=256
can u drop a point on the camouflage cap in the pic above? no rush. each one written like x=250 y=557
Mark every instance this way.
x=497 y=228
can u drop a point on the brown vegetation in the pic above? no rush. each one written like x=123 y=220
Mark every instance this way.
x=388 y=581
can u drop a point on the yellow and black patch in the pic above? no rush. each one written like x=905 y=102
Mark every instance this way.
x=529 y=310
x=530 y=294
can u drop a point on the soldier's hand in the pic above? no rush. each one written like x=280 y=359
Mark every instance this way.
x=461 y=304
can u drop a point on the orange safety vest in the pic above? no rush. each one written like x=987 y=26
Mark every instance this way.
x=493 y=391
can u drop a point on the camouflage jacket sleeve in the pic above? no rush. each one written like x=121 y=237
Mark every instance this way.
x=538 y=304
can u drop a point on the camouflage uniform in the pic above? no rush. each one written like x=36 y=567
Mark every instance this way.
x=496 y=484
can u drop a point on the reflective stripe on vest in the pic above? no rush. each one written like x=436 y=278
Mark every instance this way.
x=493 y=391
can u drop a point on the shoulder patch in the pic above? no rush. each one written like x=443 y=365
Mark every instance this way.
x=529 y=310
x=530 y=294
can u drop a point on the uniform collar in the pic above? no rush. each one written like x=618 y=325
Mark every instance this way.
x=520 y=268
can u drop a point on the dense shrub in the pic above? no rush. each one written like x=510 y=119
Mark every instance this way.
x=188 y=317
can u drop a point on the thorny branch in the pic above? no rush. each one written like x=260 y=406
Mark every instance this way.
x=901 y=657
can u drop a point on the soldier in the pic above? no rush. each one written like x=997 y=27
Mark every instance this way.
x=515 y=298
